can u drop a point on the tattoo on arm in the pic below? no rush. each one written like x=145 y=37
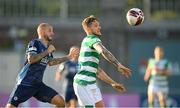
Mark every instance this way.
x=56 y=61
x=35 y=58
x=106 y=54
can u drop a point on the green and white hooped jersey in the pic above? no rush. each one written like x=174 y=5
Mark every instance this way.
x=158 y=79
x=88 y=61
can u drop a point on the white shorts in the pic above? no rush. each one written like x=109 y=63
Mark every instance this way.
x=156 y=89
x=87 y=95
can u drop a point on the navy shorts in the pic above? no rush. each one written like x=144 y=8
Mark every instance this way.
x=70 y=94
x=41 y=92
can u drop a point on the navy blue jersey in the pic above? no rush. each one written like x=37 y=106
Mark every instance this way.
x=71 y=68
x=33 y=73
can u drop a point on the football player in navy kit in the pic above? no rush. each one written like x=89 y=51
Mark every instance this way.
x=71 y=66
x=29 y=81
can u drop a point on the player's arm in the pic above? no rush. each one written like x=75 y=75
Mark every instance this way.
x=33 y=58
x=147 y=74
x=73 y=52
x=56 y=61
x=165 y=72
x=149 y=69
x=110 y=57
x=106 y=54
x=104 y=77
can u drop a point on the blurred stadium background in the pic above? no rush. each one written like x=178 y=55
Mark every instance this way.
x=133 y=46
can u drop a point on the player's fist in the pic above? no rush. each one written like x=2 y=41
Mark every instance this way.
x=74 y=52
x=118 y=87
x=51 y=49
x=125 y=71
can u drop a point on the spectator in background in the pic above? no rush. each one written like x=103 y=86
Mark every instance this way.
x=70 y=67
x=157 y=73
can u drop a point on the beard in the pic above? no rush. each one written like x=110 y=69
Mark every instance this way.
x=47 y=38
x=96 y=34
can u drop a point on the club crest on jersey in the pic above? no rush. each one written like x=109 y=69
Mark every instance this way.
x=44 y=61
x=15 y=98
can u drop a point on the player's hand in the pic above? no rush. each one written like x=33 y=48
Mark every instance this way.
x=73 y=53
x=51 y=49
x=125 y=71
x=118 y=87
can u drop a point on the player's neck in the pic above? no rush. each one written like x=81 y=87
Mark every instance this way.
x=74 y=60
x=89 y=33
x=44 y=41
x=92 y=34
x=158 y=58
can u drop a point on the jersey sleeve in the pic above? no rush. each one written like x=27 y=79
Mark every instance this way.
x=150 y=63
x=94 y=41
x=168 y=65
x=32 y=47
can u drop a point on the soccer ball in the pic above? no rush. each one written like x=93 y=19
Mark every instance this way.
x=135 y=16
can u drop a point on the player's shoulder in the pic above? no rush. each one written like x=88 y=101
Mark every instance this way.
x=34 y=41
x=151 y=60
x=92 y=38
x=68 y=62
x=165 y=60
